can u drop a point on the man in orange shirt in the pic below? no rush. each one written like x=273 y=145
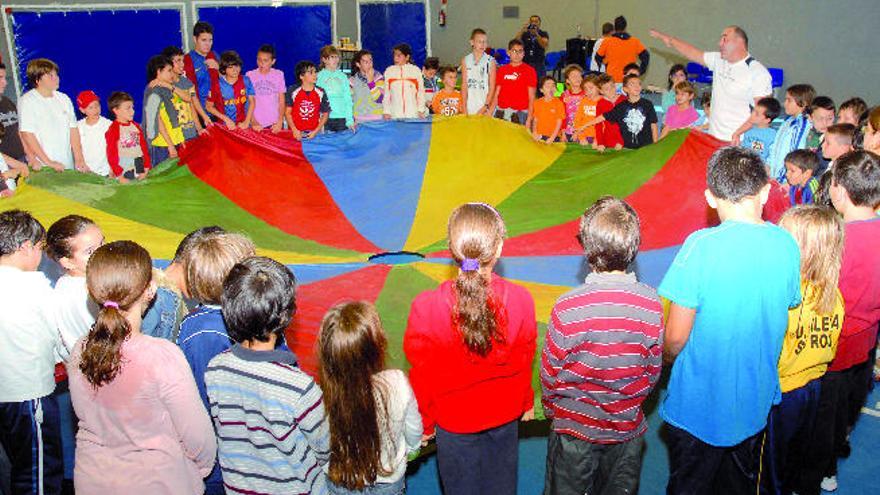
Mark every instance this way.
x=621 y=49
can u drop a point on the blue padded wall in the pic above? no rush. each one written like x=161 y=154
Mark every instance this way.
x=297 y=31
x=384 y=25
x=101 y=50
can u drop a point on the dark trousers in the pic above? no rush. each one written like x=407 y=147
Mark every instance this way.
x=158 y=154
x=335 y=125
x=789 y=431
x=840 y=402
x=576 y=467
x=479 y=463
x=695 y=467
x=30 y=433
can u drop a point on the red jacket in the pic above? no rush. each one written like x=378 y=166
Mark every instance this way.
x=608 y=133
x=112 y=138
x=459 y=390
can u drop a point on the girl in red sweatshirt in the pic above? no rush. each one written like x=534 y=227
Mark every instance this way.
x=471 y=343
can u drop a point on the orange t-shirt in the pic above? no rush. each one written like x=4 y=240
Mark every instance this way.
x=547 y=114
x=447 y=103
x=586 y=111
x=617 y=53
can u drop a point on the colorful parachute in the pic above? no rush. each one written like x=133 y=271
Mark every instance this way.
x=326 y=206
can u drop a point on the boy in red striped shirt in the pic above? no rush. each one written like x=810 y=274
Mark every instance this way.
x=601 y=359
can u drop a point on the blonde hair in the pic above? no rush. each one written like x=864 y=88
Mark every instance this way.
x=818 y=232
x=328 y=51
x=209 y=261
x=475 y=233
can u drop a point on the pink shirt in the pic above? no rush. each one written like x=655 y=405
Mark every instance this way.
x=267 y=87
x=677 y=118
x=147 y=430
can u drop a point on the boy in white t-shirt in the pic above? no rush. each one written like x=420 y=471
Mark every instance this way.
x=47 y=122
x=92 y=129
x=29 y=341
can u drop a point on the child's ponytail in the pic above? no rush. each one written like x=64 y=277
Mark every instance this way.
x=117 y=276
x=476 y=232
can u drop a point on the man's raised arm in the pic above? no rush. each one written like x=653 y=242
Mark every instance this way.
x=688 y=50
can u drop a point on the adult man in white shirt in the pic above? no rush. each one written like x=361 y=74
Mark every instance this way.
x=47 y=121
x=739 y=81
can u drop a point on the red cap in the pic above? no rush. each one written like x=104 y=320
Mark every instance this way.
x=86 y=98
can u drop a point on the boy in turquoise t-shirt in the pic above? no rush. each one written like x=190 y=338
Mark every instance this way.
x=731 y=287
x=335 y=84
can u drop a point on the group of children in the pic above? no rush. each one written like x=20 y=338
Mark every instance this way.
x=182 y=381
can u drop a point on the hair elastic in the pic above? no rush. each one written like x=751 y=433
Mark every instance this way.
x=111 y=304
x=470 y=265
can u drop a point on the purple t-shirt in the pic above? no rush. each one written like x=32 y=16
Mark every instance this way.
x=267 y=87
x=677 y=118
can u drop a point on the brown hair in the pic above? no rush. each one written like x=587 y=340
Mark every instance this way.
x=351 y=350
x=685 y=87
x=59 y=234
x=856 y=104
x=476 y=232
x=356 y=60
x=477 y=31
x=818 y=232
x=117 y=98
x=328 y=51
x=610 y=234
x=603 y=79
x=590 y=79
x=802 y=94
x=37 y=68
x=568 y=70
x=117 y=276
x=209 y=261
x=841 y=133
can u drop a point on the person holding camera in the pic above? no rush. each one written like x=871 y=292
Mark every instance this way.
x=535 y=41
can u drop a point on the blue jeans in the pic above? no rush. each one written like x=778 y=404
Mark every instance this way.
x=162 y=320
x=396 y=488
x=479 y=463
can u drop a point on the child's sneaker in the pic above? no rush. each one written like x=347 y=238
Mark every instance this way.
x=829 y=484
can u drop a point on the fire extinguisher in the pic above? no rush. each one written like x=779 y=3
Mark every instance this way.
x=442 y=16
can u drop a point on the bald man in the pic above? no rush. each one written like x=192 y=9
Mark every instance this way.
x=738 y=82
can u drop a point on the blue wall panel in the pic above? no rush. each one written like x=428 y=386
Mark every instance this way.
x=384 y=25
x=297 y=31
x=101 y=50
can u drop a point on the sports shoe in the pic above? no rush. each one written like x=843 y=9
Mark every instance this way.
x=829 y=484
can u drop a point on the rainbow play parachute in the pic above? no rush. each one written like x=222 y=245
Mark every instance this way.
x=334 y=207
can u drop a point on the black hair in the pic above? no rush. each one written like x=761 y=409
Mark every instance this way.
x=771 y=106
x=267 y=48
x=543 y=80
x=822 y=197
x=620 y=24
x=610 y=234
x=302 y=67
x=706 y=99
x=514 y=42
x=403 y=48
x=672 y=71
x=189 y=240
x=258 y=299
x=735 y=173
x=2 y=65
x=630 y=77
x=61 y=232
x=630 y=66
x=803 y=159
x=202 y=27
x=172 y=51
x=432 y=63
x=858 y=173
x=155 y=64
x=16 y=228
x=824 y=102
x=118 y=98
x=228 y=59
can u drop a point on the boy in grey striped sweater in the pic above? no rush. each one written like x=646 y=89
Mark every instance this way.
x=601 y=359
x=269 y=414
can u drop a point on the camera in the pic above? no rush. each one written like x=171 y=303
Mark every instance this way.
x=532 y=27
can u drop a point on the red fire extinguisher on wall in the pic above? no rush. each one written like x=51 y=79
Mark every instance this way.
x=441 y=20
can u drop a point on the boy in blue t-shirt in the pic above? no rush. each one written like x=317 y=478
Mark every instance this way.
x=731 y=287
x=760 y=137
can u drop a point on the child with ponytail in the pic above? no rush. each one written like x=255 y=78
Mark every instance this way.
x=71 y=241
x=809 y=346
x=471 y=343
x=372 y=412
x=142 y=428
